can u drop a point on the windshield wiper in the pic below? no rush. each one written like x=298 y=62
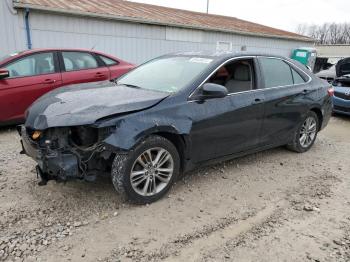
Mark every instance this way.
x=128 y=85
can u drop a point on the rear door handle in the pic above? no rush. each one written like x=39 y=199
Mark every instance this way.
x=258 y=101
x=49 y=81
x=305 y=91
x=100 y=75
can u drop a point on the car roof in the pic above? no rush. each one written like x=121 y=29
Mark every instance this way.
x=224 y=54
x=220 y=56
x=38 y=50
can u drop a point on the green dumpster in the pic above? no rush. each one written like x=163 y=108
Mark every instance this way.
x=305 y=55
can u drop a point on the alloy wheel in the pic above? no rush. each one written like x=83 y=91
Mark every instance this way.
x=152 y=171
x=308 y=132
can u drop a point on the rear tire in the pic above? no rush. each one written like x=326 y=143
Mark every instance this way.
x=146 y=174
x=304 y=137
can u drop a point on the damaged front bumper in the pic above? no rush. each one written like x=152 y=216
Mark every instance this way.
x=69 y=152
x=52 y=164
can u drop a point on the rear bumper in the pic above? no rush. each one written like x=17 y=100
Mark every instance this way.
x=58 y=165
x=341 y=106
x=326 y=112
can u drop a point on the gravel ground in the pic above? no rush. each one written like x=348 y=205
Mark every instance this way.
x=272 y=206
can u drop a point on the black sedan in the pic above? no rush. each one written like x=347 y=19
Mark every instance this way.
x=173 y=114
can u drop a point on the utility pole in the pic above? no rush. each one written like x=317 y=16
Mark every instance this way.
x=207 y=6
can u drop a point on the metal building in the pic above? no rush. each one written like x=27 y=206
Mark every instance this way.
x=132 y=31
x=333 y=51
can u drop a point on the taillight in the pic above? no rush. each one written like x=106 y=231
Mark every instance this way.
x=330 y=91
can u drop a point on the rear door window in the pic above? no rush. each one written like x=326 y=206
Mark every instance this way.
x=276 y=72
x=74 y=61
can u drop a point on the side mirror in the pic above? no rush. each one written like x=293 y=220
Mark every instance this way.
x=210 y=90
x=4 y=73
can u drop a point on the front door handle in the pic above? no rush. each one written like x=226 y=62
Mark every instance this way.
x=305 y=91
x=258 y=101
x=49 y=81
x=100 y=75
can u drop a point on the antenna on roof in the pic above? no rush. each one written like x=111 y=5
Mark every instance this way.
x=207 y=6
x=93 y=47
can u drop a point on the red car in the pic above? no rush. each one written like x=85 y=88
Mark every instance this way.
x=27 y=75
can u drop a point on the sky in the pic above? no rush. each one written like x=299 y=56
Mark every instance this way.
x=286 y=15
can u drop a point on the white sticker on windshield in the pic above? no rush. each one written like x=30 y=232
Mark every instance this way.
x=200 y=60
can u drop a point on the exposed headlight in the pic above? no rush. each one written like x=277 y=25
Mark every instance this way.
x=87 y=136
x=84 y=135
x=36 y=134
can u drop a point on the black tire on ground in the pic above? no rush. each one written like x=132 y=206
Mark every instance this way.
x=123 y=164
x=295 y=145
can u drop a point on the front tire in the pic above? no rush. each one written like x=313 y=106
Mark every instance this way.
x=305 y=135
x=146 y=174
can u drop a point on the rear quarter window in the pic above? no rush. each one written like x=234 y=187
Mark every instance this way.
x=108 y=61
x=297 y=77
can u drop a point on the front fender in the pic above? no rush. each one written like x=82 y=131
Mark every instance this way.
x=130 y=131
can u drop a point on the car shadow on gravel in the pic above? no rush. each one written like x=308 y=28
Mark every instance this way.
x=80 y=197
x=82 y=194
x=341 y=117
x=5 y=129
x=83 y=198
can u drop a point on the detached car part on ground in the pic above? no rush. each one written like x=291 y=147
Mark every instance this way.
x=341 y=85
x=173 y=114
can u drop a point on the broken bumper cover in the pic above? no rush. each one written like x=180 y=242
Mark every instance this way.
x=58 y=165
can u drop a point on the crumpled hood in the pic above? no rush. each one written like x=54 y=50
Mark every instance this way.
x=85 y=103
x=328 y=73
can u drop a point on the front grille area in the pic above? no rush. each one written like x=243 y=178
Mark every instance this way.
x=29 y=131
x=342 y=95
x=343 y=109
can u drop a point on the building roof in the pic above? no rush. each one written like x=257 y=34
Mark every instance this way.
x=152 y=14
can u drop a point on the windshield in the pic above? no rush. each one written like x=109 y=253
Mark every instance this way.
x=169 y=74
x=8 y=55
x=3 y=57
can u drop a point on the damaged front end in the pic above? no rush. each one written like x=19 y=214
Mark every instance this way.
x=64 y=153
x=63 y=131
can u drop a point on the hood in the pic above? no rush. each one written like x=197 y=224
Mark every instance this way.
x=343 y=67
x=85 y=103
x=327 y=73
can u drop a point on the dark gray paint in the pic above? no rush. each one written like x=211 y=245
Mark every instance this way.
x=83 y=104
x=210 y=130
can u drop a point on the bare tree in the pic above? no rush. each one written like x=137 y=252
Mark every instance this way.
x=302 y=29
x=327 y=33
